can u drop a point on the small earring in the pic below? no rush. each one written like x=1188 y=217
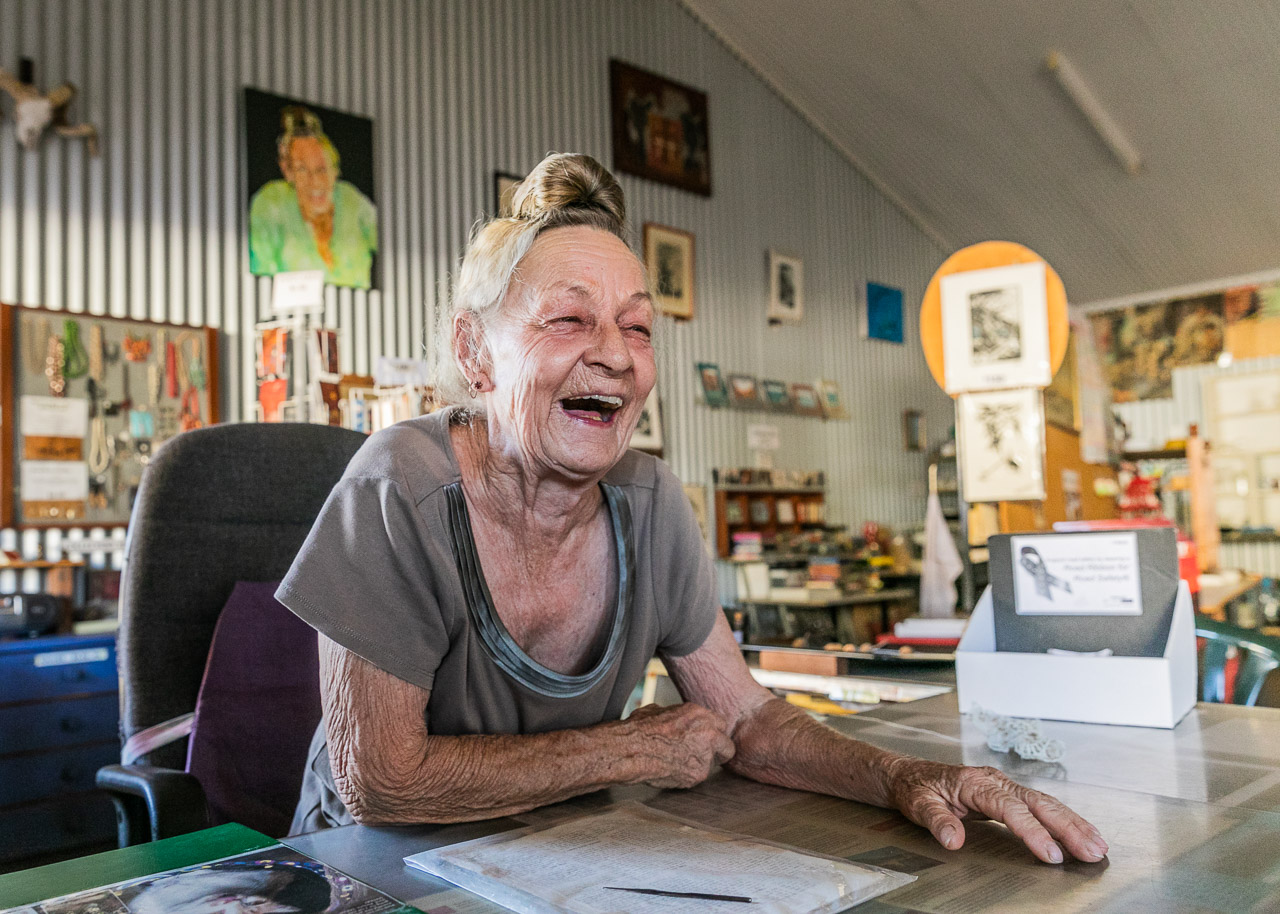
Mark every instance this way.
x=475 y=389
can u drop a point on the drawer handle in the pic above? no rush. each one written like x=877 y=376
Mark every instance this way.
x=71 y=725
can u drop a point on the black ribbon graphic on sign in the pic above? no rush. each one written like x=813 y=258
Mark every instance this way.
x=1045 y=582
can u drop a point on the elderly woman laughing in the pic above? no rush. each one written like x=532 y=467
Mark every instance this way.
x=490 y=581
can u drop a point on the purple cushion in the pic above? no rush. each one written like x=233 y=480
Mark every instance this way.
x=258 y=708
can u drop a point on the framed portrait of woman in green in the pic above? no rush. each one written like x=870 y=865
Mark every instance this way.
x=309 y=182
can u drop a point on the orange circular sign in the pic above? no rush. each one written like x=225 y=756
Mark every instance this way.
x=984 y=256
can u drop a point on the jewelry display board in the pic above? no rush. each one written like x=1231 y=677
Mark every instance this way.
x=86 y=402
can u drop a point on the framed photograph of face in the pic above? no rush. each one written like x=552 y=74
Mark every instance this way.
x=805 y=400
x=668 y=258
x=832 y=403
x=648 y=432
x=504 y=192
x=882 y=319
x=713 y=390
x=744 y=391
x=995 y=328
x=309 y=182
x=660 y=128
x=786 y=288
x=1000 y=434
x=776 y=396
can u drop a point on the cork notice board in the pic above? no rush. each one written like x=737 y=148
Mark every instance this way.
x=85 y=400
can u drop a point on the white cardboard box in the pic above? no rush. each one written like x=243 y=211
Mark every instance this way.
x=1132 y=691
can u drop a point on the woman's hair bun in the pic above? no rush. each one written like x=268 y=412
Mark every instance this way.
x=571 y=189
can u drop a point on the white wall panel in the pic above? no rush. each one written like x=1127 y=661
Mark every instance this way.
x=457 y=89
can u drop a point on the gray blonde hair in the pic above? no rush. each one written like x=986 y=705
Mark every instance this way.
x=563 y=190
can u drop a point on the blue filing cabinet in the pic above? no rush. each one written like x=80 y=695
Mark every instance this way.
x=59 y=723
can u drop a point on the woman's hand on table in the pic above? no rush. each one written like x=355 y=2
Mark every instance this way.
x=685 y=742
x=939 y=796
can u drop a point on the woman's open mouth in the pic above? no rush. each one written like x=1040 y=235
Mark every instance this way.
x=596 y=409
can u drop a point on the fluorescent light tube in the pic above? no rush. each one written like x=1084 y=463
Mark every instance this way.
x=1098 y=117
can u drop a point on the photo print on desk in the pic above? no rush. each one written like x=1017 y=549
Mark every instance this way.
x=1001 y=439
x=995 y=328
x=668 y=259
x=713 y=390
x=786 y=288
x=305 y=166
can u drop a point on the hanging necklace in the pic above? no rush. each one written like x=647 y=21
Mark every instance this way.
x=53 y=361
x=75 y=361
x=95 y=352
x=35 y=343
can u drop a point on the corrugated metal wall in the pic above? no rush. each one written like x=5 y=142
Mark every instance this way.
x=155 y=228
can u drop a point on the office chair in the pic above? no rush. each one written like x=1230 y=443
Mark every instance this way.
x=217 y=507
x=1257 y=654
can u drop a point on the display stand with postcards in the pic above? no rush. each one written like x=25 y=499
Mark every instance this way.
x=1092 y=627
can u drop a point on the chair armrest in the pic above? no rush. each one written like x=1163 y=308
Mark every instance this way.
x=153 y=803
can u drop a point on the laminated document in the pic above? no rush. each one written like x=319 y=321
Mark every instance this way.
x=638 y=860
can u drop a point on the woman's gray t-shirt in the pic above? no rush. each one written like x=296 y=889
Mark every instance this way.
x=390 y=573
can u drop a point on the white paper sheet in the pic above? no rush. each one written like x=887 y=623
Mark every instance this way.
x=54 y=417
x=54 y=480
x=564 y=868
x=1078 y=574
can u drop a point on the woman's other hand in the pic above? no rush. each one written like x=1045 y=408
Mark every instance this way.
x=684 y=742
x=939 y=796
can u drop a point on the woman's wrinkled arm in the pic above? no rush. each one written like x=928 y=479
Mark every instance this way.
x=389 y=770
x=777 y=743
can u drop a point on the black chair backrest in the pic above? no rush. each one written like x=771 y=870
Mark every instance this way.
x=216 y=505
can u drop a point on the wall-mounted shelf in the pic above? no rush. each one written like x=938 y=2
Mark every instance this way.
x=766 y=510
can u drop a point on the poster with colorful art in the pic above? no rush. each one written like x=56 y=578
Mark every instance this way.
x=1141 y=345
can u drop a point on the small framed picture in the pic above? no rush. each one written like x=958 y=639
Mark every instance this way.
x=744 y=391
x=832 y=403
x=504 y=192
x=786 y=511
x=786 y=288
x=882 y=319
x=776 y=396
x=805 y=400
x=668 y=259
x=712 y=384
x=1000 y=434
x=995 y=328
x=648 y=432
x=913 y=433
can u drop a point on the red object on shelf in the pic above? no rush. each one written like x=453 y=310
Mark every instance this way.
x=887 y=640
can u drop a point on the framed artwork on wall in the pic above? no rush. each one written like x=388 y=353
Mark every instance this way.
x=712 y=384
x=805 y=400
x=786 y=288
x=995 y=328
x=648 y=432
x=660 y=129
x=504 y=192
x=832 y=403
x=776 y=396
x=668 y=258
x=744 y=391
x=307 y=166
x=1000 y=434
x=882 y=319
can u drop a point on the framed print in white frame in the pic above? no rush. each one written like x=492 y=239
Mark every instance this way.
x=786 y=288
x=668 y=259
x=648 y=432
x=995 y=328
x=1000 y=434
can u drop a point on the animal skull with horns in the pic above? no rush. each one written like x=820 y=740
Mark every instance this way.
x=36 y=111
